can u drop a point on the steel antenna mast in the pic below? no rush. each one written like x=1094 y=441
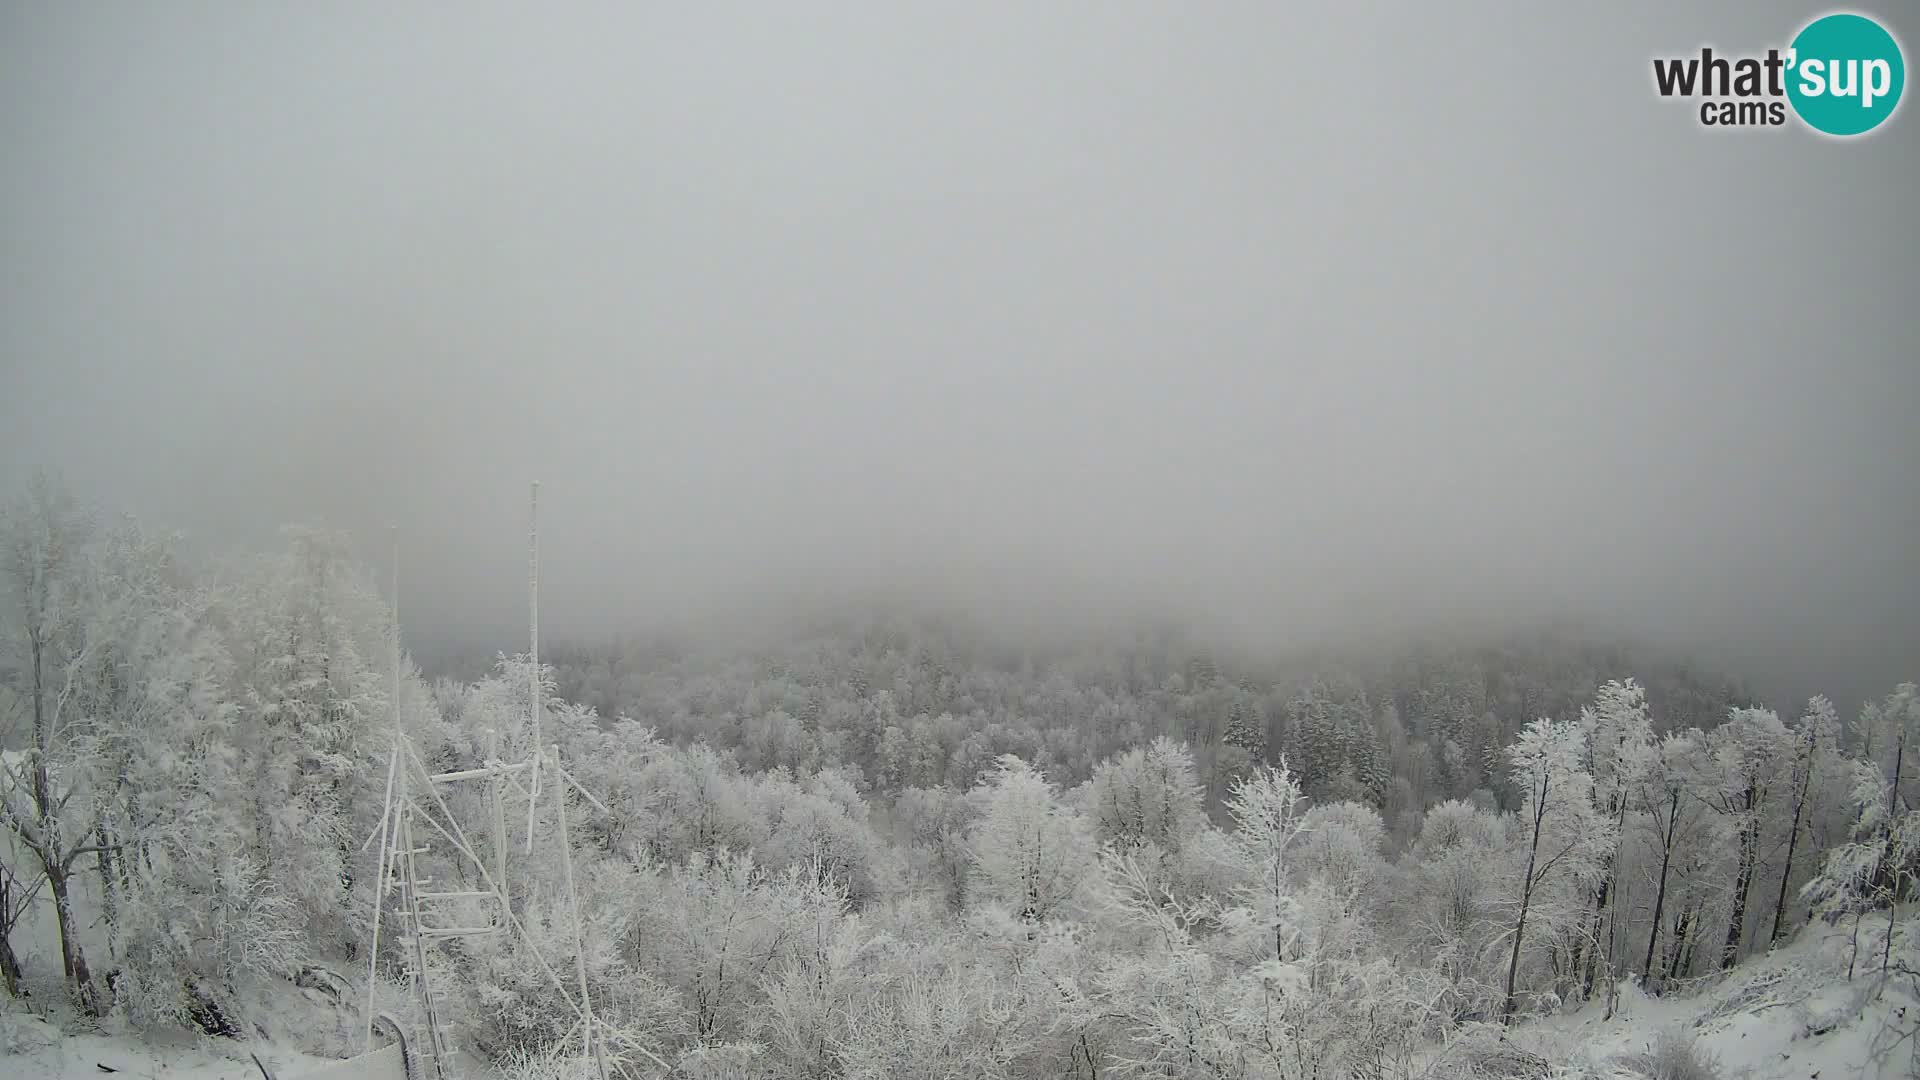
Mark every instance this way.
x=535 y=707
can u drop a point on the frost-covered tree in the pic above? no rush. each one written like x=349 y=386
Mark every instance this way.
x=1269 y=814
x=1450 y=904
x=1247 y=729
x=47 y=792
x=1566 y=838
x=1146 y=796
x=819 y=823
x=1880 y=864
x=824 y=979
x=1815 y=737
x=934 y=824
x=1676 y=822
x=1619 y=733
x=310 y=642
x=1342 y=845
x=609 y=761
x=1030 y=852
x=1202 y=998
x=1889 y=736
x=942 y=1023
x=697 y=805
x=196 y=924
x=714 y=933
x=1748 y=752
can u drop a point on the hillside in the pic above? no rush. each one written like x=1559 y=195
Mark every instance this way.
x=1402 y=723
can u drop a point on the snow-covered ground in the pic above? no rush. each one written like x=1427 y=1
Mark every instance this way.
x=33 y=1049
x=1790 y=1015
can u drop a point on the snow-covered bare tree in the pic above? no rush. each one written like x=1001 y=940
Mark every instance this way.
x=1619 y=747
x=1147 y=796
x=1450 y=905
x=1815 y=746
x=1269 y=815
x=936 y=823
x=1749 y=753
x=1030 y=852
x=47 y=793
x=1881 y=863
x=1678 y=825
x=1566 y=838
x=1343 y=845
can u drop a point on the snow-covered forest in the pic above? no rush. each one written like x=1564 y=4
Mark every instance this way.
x=905 y=848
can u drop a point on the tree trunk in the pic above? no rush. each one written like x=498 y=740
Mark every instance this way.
x=9 y=967
x=1589 y=930
x=9 y=963
x=1742 y=882
x=109 y=890
x=1793 y=840
x=1601 y=913
x=1883 y=876
x=1660 y=893
x=1526 y=900
x=72 y=958
x=1692 y=940
x=1676 y=961
x=1592 y=946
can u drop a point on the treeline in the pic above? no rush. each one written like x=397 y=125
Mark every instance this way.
x=930 y=701
x=1067 y=874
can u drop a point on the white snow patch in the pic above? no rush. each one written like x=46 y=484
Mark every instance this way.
x=32 y=1047
x=1792 y=1014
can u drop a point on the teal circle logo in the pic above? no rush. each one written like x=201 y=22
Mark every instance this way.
x=1845 y=74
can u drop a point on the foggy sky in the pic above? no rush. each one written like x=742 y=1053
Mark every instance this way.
x=1301 y=321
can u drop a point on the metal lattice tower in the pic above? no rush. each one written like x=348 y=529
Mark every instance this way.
x=415 y=821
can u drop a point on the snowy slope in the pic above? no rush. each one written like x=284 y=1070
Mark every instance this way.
x=32 y=1049
x=1791 y=1015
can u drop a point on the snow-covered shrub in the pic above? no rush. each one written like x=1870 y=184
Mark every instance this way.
x=200 y=940
x=1673 y=1056
x=22 y=1033
x=722 y=1061
x=552 y=1063
x=1485 y=1051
